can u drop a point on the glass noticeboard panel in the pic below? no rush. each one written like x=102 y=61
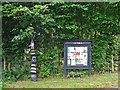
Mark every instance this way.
x=77 y=56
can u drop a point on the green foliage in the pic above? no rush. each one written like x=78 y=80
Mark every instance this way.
x=77 y=73
x=19 y=70
x=58 y=22
x=47 y=62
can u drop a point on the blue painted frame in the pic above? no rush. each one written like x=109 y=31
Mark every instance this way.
x=78 y=43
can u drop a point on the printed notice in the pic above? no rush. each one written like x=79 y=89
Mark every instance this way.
x=77 y=56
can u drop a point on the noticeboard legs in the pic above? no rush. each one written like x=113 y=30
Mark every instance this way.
x=65 y=72
x=89 y=72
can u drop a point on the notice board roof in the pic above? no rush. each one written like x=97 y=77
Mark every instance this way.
x=78 y=41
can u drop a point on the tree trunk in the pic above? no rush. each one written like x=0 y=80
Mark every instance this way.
x=9 y=66
x=112 y=62
x=4 y=64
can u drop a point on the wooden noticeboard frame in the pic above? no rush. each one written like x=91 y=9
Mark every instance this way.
x=77 y=55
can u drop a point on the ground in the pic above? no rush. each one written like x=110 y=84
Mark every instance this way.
x=108 y=80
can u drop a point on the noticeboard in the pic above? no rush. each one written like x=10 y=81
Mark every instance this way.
x=77 y=55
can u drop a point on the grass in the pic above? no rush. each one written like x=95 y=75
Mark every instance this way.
x=108 y=80
x=1 y=85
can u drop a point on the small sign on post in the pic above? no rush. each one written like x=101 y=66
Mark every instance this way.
x=77 y=55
